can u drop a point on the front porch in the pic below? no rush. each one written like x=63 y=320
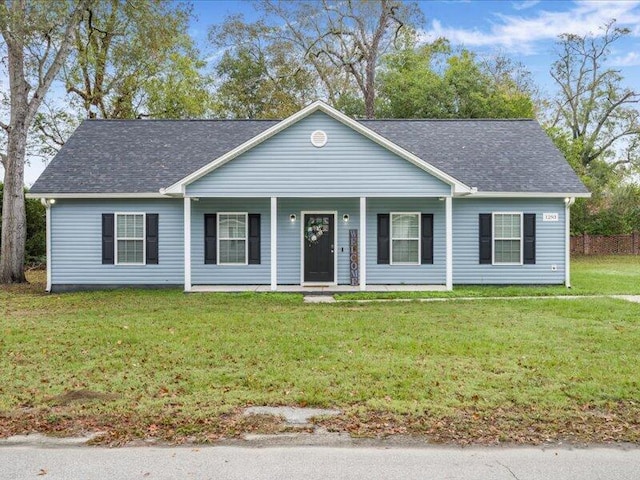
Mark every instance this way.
x=354 y=246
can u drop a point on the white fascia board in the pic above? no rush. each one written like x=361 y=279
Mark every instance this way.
x=527 y=195
x=97 y=195
x=178 y=187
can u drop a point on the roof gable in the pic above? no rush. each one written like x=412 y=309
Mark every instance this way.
x=179 y=187
x=289 y=165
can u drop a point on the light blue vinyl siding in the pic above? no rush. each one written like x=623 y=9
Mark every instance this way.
x=550 y=243
x=203 y=274
x=76 y=243
x=287 y=165
x=290 y=234
x=76 y=237
x=429 y=274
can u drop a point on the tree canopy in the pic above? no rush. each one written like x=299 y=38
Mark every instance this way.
x=432 y=81
x=129 y=60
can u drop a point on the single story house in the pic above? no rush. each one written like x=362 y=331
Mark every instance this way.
x=316 y=200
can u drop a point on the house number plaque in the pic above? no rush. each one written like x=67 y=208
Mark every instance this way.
x=354 y=258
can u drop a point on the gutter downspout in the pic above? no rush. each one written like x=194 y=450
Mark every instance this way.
x=567 y=240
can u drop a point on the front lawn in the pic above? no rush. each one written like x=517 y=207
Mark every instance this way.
x=598 y=275
x=175 y=366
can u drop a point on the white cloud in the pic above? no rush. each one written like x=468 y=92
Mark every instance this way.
x=520 y=33
x=525 y=4
x=631 y=59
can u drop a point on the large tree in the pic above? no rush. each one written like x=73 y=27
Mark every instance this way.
x=595 y=121
x=260 y=75
x=593 y=109
x=125 y=49
x=130 y=59
x=37 y=39
x=342 y=42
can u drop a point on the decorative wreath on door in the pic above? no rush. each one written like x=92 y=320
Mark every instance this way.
x=315 y=229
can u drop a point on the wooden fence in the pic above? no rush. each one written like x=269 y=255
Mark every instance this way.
x=606 y=244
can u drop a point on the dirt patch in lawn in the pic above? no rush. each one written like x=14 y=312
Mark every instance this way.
x=618 y=424
x=122 y=429
x=35 y=285
x=81 y=397
x=587 y=424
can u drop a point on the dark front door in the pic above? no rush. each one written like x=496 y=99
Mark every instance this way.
x=318 y=247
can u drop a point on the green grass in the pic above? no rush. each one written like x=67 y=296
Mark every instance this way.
x=168 y=355
x=604 y=275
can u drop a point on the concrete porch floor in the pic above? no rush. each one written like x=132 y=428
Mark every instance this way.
x=316 y=289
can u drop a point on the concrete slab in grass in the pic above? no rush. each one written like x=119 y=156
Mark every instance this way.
x=292 y=415
x=319 y=299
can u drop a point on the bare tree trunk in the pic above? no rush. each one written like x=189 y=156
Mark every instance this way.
x=31 y=59
x=14 y=228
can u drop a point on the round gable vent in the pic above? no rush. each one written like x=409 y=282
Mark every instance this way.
x=318 y=138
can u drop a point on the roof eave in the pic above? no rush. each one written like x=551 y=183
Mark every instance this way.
x=481 y=194
x=96 y=195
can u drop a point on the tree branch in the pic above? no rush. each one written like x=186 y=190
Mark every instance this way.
x=45 y=82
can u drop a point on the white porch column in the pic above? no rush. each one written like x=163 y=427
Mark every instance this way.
x=362 y=243
x=187 y=244
x=448 y=206
x=274 y=243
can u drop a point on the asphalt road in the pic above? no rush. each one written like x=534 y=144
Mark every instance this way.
x=234 y=462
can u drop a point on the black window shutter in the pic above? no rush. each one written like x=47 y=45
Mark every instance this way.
x=210 y=233
x=152 y=239
x=529 y=232
x=254 y=239
x=383 y=238
x=485 y=238
x=108 y=245
x=427 y=238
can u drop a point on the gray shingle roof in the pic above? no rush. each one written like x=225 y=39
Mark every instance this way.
x=141 y=156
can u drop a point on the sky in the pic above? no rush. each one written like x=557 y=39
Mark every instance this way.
x=525 y=30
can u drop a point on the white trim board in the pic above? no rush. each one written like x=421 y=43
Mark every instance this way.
x=525 y=195
x=362 y=244
x=186 y=216
x=274 y=243
x=178 y=188
x=180 y=194
x=97 y=195
x=47 y=206
x=448 y=226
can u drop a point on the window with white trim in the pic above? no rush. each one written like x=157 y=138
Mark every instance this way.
x=405 y=238
x=507 y=238
x=232 y=238
x=130 y=238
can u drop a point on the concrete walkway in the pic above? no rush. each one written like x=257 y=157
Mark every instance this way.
x=315 y=289
x=628 y=298
x=319 y=463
